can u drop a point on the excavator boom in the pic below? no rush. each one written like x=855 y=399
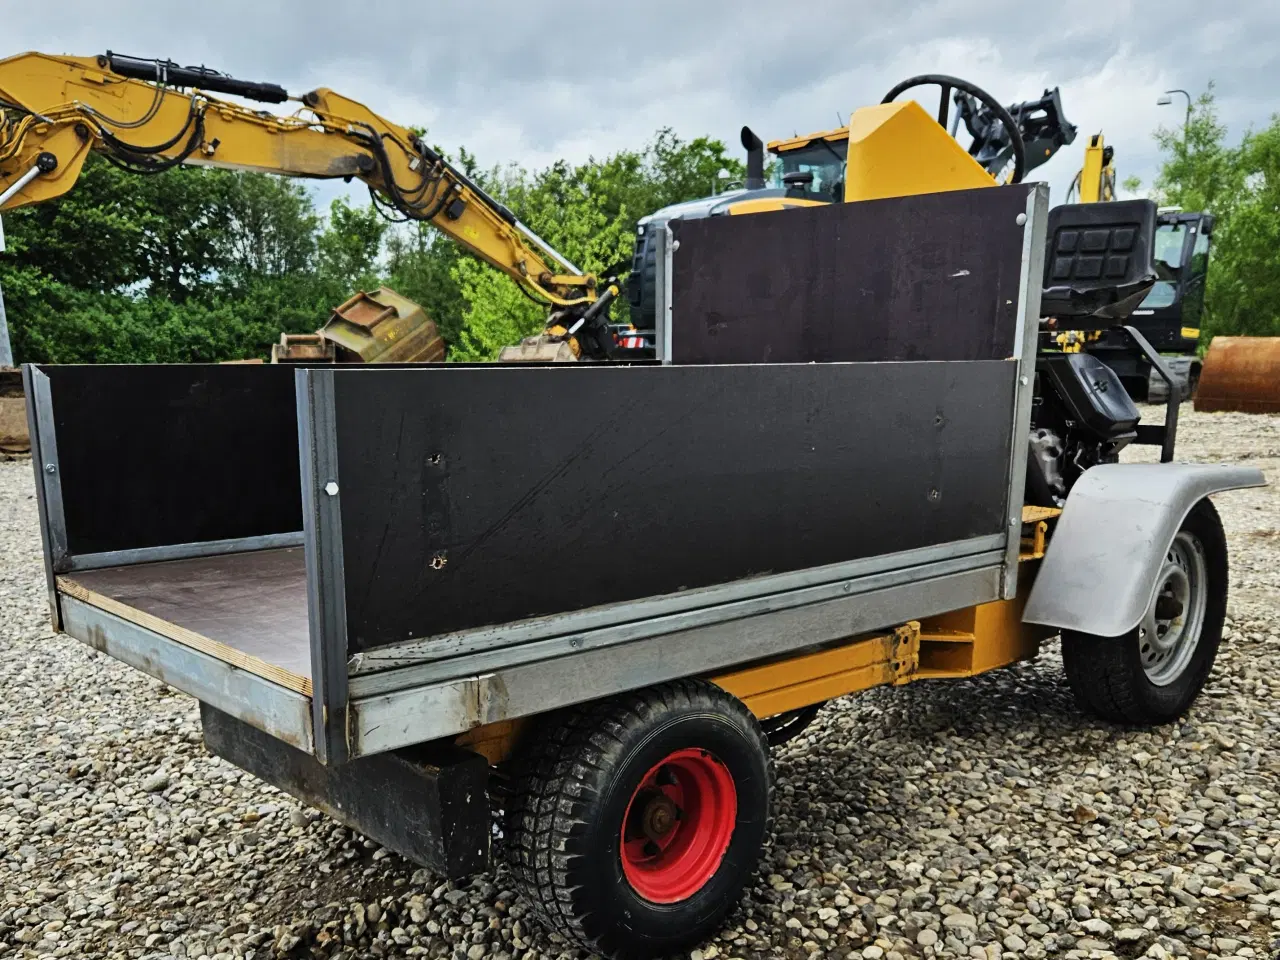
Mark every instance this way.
x=149 y=115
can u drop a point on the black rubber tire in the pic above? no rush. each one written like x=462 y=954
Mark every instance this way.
x=563 y=823
x=1106 y=674
x=785 y=727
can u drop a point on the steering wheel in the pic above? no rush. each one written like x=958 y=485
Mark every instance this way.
x=950 y=84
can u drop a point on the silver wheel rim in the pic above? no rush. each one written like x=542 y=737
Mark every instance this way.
x=1170 y=629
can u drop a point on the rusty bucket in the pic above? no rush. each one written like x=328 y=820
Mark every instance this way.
x=1242 y=374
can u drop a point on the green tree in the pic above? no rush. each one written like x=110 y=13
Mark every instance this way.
x=350 y=244
x=1199 y=171
x=1240 y=186
x=269 y=229
x=179 y=213
x=589 y=213
x=91 y=238
x=420 y=265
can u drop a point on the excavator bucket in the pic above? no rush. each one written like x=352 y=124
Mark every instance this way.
x=1242 y=374
x=377 y=327
x=383 y=327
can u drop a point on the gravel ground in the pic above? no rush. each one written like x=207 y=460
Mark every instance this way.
x=984 y=818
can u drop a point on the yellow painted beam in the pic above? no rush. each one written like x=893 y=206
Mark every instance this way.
x=783 y=685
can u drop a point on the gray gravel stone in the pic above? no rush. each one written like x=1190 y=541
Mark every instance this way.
x=156 y=782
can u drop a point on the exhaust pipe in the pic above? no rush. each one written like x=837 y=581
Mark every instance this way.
x=755 y=159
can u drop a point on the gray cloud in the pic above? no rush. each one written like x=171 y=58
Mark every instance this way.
x=516 y=82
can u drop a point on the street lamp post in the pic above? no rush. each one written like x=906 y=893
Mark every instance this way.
x=1165 y=100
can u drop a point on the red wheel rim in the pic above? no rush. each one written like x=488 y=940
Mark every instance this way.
x=678 y=825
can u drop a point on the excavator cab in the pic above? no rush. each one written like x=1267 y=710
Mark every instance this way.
x=816 y=170
x=1172 y=309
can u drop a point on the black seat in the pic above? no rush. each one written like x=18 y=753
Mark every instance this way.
x=1098 y=261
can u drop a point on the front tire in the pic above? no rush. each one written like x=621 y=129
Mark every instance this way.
x=1153 y=674
x=636 y=821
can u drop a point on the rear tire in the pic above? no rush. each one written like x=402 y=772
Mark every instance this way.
x=1153 y=674
x=635 y=822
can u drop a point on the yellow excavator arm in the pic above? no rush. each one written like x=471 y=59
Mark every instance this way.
x=147 y=115
x=1096 y=181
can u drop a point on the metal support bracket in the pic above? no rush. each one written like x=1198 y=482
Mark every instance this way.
x=1033 y=224
x=1166 y=437
x=906 y=653
x=665 y=248
x=322 y=534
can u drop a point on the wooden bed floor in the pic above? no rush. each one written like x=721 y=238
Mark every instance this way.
x=252 y=607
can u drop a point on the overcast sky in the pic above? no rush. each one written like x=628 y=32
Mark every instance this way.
x=530 y=83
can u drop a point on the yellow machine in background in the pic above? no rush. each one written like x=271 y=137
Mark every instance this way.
x=1096 y=180
x=888 y=150
x=896 y=149
x=148 y=115
x=893 y=148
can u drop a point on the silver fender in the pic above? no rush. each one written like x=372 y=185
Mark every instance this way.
x=1098 y=575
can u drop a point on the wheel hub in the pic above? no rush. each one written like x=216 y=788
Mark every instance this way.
x=1170 y=629
x=678 y=825
x=660 y=816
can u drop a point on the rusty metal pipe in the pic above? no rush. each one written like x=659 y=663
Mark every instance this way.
x=1240 y=374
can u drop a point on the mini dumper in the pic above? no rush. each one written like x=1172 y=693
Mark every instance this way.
x=584 y=599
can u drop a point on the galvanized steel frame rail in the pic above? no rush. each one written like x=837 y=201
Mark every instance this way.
x=663 y=260
x=283 y=713
x=1034 y=224
x=178 y=551
x=414 y=661
x=326 y=586
x=404 y=717
x=43 y=452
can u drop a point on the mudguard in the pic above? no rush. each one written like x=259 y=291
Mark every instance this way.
x=1099 y=572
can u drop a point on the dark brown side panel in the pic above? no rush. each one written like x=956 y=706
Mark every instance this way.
x=482 y=496
x=158 y=455
x=932 y=277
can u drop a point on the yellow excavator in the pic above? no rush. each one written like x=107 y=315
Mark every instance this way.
x=149 y=115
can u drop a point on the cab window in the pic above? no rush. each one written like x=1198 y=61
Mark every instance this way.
x=825 y=160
